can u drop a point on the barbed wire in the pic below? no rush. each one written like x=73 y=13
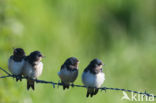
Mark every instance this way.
x=54 y=84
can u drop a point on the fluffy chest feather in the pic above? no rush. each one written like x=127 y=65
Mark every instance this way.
x=33 y=71
x=15 y=68
x=93 y=80
x=68 y=76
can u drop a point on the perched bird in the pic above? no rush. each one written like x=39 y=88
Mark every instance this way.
x=16 y=63
x=93 y=77
x=69 y=72
x=33 y=68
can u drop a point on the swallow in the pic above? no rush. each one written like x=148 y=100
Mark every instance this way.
x=93 y=77
x=33 y=68
x=68 y=72
x=16 y=63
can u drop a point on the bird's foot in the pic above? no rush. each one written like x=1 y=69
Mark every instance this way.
x=18 y=77
x=72 y=85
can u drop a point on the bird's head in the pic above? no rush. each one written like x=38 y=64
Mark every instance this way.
x=72 y=62
x=96 y=65
x=18 y=52
x=36 y=56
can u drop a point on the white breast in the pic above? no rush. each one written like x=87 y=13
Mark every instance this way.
x=67 y=76
x=15 y=68
x=93 y=80
x=33 y=72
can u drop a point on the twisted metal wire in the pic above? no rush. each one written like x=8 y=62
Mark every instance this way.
x=54 y=84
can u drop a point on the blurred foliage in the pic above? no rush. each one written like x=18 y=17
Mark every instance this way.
x=122 y=33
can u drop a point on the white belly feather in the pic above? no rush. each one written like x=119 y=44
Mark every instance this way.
x=93 y=80
x=67 y=76
x=14 y=67
x=33 y=72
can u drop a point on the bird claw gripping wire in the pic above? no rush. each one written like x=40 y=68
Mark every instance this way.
x=72 y=85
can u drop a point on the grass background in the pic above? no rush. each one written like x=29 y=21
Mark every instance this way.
x=122 y=33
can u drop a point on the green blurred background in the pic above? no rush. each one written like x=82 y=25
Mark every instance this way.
x=122 y=33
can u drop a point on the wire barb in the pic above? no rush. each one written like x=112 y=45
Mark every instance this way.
x=74 y=85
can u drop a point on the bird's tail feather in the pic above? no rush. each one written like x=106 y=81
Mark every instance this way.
x=19 y=77
x=96 y=91
x=91 y=92
x=65 y=86
x=30 y=84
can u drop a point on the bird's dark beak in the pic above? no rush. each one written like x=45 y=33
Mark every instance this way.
x=41 y=56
